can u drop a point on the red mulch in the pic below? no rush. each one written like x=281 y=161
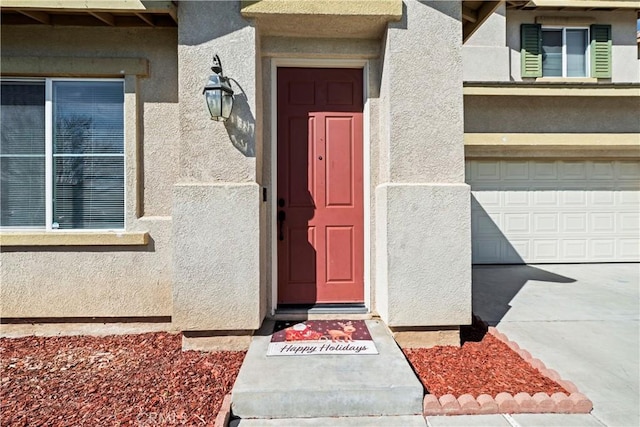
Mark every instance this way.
x=116 y=380
x=488 y=366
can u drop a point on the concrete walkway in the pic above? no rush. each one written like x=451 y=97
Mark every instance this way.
x=580 y=319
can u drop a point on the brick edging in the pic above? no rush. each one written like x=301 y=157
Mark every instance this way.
x=222 y=419
x=505 y=403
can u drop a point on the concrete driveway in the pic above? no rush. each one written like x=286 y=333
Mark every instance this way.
x=579 y=319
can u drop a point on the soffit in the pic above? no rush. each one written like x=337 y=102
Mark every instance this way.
x=574 y=4
x=111 y=13
x=323 y=18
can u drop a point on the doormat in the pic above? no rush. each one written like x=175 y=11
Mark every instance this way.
x=313 y=337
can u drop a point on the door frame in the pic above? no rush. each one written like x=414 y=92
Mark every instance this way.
x=366 y=162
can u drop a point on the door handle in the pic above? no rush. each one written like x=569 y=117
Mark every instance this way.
x=281 y=217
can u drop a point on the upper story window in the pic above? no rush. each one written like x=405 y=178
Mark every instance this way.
x=62 y=154
x=565 y=51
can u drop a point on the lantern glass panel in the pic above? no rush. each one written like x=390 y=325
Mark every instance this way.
x=227 y=104
x=213 y=97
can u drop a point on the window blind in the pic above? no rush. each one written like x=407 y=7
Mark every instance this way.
x=22 y=154
x=88 y=155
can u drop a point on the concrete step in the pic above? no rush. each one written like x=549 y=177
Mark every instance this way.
x=326 y=385
x=395 y=421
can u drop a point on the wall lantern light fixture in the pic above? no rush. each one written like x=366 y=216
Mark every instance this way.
x=218 y=93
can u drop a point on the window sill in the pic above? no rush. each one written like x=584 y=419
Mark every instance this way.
x=567 y=79
x=40 y=238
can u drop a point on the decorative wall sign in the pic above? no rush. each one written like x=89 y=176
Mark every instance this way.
x=314 y=337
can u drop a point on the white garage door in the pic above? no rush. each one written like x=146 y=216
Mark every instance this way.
x=554 y=211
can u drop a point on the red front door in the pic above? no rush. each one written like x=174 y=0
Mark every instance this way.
x=320 y=191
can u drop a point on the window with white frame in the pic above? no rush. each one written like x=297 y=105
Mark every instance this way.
x=565 y=52
x=62 y=154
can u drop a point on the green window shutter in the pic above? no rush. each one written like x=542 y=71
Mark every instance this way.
x=531 y=50
x=601 y=51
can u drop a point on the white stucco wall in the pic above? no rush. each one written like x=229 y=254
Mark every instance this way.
x=551 y=114
x=217 y=268
x=422 y=201
x=485 y=55
x=216 y=262
x=107 y=281
x=428 y=254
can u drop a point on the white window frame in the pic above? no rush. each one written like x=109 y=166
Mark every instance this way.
x=48 y=153
x=587 y=68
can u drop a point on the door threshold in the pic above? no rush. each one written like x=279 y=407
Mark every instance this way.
x=322 y=311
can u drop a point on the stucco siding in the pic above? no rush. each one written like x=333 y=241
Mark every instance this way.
x=421 y=197
x=217 y=206
x=109 y=281
x=485 y=55
x=102 y=282
x=550 y=114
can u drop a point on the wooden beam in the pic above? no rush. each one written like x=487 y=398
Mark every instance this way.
x=147 y=19
x=172 y=10
x=596 y=4
x=487 y=8
x=469 y=14
x=41 y=17
x=107 y=18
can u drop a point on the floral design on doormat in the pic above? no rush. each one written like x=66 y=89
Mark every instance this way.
x=313 y=337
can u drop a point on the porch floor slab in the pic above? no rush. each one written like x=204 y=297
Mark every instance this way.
x=326 y=385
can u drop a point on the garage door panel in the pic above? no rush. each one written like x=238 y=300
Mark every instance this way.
x=545 y=249
x=571 y=195
x=601 y=198
x=515 y=171
x=628 y=170
x=545 y=198
x=516 y=250
x=602 y=249
x=487 y=249
x=515 y=223
x=602 y=222
x=555 y=211
x=484 y=224
x=517 y=197
x=487 y=199
x=573 y=249
x=546 y=222
x=628 y=197
x=497 y=250
x=485 y=171
x=572 y=170
x=574 y=222
x=629 y=249
x=602 y=170
x=545 y=171
x=629 y=222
